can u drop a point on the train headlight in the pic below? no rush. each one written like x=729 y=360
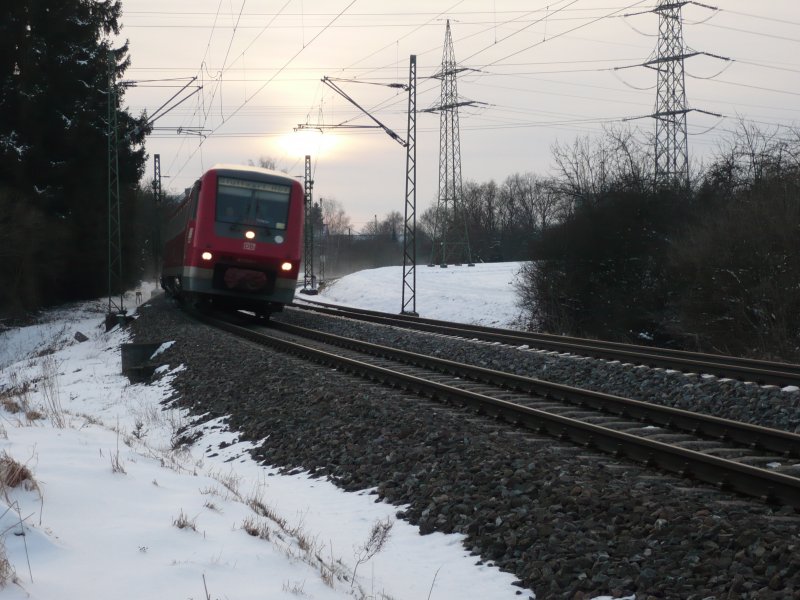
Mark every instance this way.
x=249 y=234
x=206 y=256
x=287 y=266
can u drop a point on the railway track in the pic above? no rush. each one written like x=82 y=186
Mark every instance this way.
x=748 y=459
x=743 y=369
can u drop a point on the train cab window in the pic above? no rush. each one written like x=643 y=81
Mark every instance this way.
x=252 y=203
x=270 y=211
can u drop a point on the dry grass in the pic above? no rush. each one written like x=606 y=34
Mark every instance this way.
x=378 y=536
x=184 y=522
x=16 y=398
x=51 y=391
x=10 y=404
x=258 y=506
x=14 y=474
x=230 y=481
x=59 y=340
x=257 y=528
x=7 y=573
x=295 y=588
x=117 y=466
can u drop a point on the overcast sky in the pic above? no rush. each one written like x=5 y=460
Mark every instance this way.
x=543 y=68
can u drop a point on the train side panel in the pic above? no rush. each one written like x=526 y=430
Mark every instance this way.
x=176 y=232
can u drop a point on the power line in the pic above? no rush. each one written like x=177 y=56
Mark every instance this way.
x=224 y=62
x=563 y=33
x=184 y=14
x=437 y=15
x=771 y=36
x=536 y=22
x=757 y=87
x=466 y=37
x=762 y=17
x=258 y=91
x=513 y=69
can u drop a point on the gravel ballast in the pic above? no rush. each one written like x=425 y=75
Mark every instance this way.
x=570 y=523
x=768 y=406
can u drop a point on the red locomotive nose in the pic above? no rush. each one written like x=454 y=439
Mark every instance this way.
x=236 y=239
x=245 y=280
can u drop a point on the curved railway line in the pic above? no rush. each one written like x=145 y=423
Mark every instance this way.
x=744 y=369
x=721 y=452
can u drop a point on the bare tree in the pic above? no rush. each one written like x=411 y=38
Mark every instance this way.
x=391 y=226
x=591 y=167
x=336 y=220
x=266 y=162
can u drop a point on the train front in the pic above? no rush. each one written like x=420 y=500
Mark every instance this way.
x=250 y=228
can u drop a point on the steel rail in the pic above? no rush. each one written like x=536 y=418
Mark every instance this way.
x=745 y=479
x=781 y=442
x=759 y=371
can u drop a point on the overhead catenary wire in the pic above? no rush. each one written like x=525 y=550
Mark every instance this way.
x=592 y=21
x=261 y=88
x=491 y=69
x=438 y=15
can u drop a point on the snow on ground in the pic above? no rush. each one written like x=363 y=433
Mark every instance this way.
x=114 y=508
x=479 y=295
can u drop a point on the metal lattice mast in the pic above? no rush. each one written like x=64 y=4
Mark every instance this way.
x=671 y=145
x=409 y=296
x=157 y=212
x=114 y=229
x=671 y=139
x=308 y=246
x=409 y=237
x=451 y=241
x=157 y=178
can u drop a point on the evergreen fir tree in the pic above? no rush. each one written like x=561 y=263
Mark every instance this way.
x=55 y=60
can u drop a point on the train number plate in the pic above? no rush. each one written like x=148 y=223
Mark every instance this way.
x=249 y=246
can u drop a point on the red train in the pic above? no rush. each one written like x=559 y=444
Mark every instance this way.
x=235 y=241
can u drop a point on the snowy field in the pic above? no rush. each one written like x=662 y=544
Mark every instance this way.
x=479 y=295
x=111 y=510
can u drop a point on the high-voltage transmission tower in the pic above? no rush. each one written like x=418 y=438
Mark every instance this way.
x=451 y=239
x=671 y=136
x=671 y=146
x=308 y=245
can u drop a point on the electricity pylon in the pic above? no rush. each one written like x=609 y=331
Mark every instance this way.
x=671 y=146
x=451 y=239
x=671 y=137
